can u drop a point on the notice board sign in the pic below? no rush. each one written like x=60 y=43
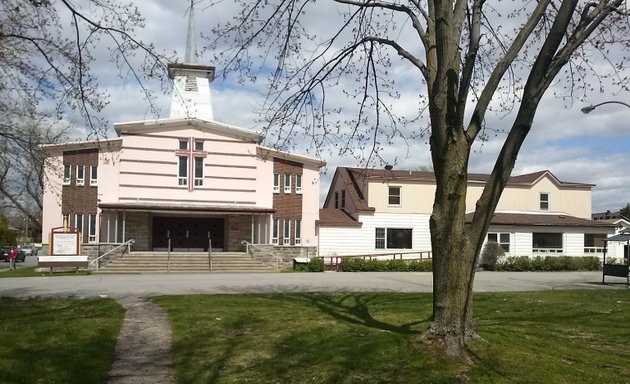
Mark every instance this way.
x=65 y=243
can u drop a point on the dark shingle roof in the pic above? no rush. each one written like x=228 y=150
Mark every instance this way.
x=543 y=219
x=336 y=217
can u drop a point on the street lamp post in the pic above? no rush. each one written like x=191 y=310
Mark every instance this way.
x=590 y=108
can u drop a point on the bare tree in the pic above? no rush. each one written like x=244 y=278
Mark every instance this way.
x=464 y=56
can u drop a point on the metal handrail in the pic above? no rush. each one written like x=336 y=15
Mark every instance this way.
x=168 y=259
x=210 y=253
x=127 y=244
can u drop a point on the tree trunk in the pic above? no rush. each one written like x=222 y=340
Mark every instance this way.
x=453 y=252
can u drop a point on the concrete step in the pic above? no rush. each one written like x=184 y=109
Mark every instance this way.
x=185 y=262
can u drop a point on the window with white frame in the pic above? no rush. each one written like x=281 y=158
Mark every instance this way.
x=274 y=231
x=78 y=223
x=393 y=238
x=287 y=232
x=182 y=170
x=298 y=231
x=198 y=171
x=544 y=201
x=92 y=228
x=66 y=174
x=287 y=183
x=80 y=175
x=298 y=183
x=594 y=242
x=93 y=175
x=547 y=243
x=276 y=183
x=394 y=196
x=503 y=239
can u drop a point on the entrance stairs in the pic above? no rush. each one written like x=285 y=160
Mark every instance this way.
x=184 y=262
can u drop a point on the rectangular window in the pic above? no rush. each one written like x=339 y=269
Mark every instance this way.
x=66 y=174
x=547 y=242
x=594 y=242
x=298 y=231
x=91 y=228
x=183 y=144
x=78 y=224
x=287 y=232
x=503 y=239
x=276 y=183
x=380 y=238
x=93 y=175
x=544 y=201
x=182 y=170
x=298 y=183
x=336 y=200
x=274 y=236
x=80 y=175
x=198 y=145
x=198 y=171
x=394 y=196
x=343 y=198
x=287 y=183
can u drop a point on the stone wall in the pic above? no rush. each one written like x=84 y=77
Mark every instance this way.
x=238 y=228
x=139 y=226
x=268 y=253
x=92 y=251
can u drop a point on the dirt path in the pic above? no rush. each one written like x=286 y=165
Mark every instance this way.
x=143 y=348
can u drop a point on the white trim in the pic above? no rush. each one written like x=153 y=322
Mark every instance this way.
x=80 y=175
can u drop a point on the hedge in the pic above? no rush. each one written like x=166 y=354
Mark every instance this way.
x=314 y=265
x=549 y=263
x=361 y=265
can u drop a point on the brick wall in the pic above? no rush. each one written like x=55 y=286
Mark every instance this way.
x=288 y=206
x=78 y=199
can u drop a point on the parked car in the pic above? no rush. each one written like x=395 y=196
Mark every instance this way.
x=28 y=249
x=4 y=254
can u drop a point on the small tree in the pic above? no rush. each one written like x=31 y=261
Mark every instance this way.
x=625 y=212
x=490 y=255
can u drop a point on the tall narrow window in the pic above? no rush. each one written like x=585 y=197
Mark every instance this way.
x=276 y=183
x=298 y=183
x=91 y=228
x=190 y=157
x=380 y=238
x=298 y=231
x=544 y=201
x=93 y=175
x=66 y=174
x=336 y=199
x=394 y=196
x=198 y=171
x=182 y=170
x=287 y=183
x=274 y=232
x=343 y=198
x=80 y=175
x=78 y=224
x=287 y=232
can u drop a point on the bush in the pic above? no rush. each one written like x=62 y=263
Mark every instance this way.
x=550 y=263
x=490 y=255
x=356 y=264
x=314 y=265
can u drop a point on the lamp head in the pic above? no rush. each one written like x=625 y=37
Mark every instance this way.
x=588 y=109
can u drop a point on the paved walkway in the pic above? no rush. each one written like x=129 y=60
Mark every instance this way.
x=143 y=349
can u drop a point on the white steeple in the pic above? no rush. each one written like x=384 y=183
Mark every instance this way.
x=191 y=81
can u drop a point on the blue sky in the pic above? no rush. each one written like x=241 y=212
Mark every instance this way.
x=593 y=148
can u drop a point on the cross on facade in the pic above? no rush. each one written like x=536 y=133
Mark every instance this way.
x=191 y=153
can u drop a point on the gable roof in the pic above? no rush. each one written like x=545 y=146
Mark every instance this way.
x=332 y=217
x=211 y=126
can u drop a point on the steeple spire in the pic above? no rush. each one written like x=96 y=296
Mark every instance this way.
x=191 y=39
x=191 y=81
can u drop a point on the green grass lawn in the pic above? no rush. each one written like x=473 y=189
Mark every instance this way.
x=539 y=337
x=57 y=340
x=30 y=272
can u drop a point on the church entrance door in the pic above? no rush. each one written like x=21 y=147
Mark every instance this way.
x=188 y=234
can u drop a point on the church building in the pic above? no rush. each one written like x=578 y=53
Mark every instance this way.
x=187 y=181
